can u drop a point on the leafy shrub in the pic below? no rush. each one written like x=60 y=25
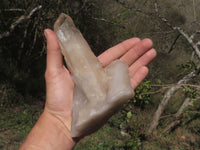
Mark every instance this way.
x=142 y=96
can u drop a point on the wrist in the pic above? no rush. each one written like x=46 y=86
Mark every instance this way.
x=60 y=126
x=49 y=133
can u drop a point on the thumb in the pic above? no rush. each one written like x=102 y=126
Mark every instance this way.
x=54 y=55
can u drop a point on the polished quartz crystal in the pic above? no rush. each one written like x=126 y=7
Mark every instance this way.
x=99 y=92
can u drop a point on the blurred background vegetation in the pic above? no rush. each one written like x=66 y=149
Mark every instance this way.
x=105 y=23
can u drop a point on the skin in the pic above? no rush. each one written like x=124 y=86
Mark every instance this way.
x=52 y=130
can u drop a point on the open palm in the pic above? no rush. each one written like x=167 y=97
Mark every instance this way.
x=59 y=85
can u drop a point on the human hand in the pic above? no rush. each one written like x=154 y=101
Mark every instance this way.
x=136 y=53
x=59 y=85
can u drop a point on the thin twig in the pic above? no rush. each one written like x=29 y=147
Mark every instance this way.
x=13 y=9
x=196 y=112
x=19 y=20
x=165 y=116
x=172 y=85
x=167 y=86
x=174 y=43
x=171 y=115
x=185 y=35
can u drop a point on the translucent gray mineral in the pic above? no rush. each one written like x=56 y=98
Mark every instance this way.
x=99 y=92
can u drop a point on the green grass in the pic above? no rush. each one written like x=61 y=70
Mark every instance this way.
x=105 y=138
x=15 y=124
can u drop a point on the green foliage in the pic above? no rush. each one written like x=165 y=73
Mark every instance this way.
x=187 y=66
x=158 y=81
x=142 y=96
x=129 y=115
x=191 y=92
x=102 y=139
x=123 y=15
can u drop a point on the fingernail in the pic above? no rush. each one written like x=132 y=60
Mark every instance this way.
x=45 y=33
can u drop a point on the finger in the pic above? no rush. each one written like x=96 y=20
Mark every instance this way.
x=117 y=51
x=54 y=56
x=139 y=76
x=138 y=50
x=142 y=61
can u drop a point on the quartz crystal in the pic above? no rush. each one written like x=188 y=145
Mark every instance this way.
x=99 y=92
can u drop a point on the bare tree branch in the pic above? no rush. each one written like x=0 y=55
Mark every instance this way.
x=184 y=80
x=178 y=117
x=166 y=99
x=19 y=20
x=13 y=9
x=185 y=35
x=174 y=43
x=193 y=35
x=186 y=103
x=172 y=85
x=171 y=115
x=167 y=86
x=194 y=46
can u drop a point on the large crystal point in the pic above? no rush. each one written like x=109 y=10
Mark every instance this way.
x=99 y=92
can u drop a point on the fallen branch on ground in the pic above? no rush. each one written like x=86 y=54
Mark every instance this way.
x=166 y=99
x=178 y=117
